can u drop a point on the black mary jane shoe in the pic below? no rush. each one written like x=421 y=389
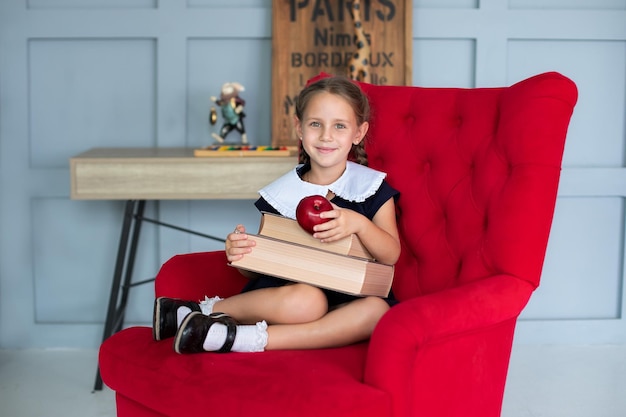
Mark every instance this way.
x=194 y=329
x=164 y=317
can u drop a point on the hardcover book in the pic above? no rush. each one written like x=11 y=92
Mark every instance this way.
x=284 y=228
x=303 y=261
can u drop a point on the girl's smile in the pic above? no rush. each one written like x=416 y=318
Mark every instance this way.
x=325 y=149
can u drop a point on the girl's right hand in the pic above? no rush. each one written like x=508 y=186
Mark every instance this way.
x=238 y=244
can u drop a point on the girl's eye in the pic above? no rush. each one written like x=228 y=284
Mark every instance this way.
x=315 y=124
x=340 y=126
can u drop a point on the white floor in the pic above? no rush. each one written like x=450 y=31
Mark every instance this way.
x=549 y=381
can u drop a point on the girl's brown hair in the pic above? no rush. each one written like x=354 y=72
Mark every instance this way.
x=352 y=93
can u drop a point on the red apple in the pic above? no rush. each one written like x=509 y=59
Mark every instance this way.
x=309 y=209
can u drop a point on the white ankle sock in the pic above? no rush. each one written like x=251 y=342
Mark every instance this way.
x=249 y=338
x=206 y=306
x=181 y=313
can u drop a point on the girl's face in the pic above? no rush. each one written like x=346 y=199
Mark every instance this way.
x=328 y=130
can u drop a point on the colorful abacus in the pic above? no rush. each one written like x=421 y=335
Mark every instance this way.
x=245 y=150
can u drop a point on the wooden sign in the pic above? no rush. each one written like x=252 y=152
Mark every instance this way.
x=313 y=36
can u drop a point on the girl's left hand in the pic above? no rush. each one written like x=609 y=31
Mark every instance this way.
x=342 y=223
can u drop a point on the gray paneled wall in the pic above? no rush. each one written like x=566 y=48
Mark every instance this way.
x=76 y=74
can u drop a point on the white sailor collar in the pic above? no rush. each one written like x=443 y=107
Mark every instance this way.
x=356 y=184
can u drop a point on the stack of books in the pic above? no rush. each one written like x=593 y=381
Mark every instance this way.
x=284 y=250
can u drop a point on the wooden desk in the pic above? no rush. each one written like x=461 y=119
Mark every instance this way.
x=137 y=175
x=170 y=174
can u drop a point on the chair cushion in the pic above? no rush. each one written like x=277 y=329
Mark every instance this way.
x=316 y=383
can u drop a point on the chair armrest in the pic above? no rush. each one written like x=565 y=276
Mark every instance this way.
x=196 y=275
x=453 y=340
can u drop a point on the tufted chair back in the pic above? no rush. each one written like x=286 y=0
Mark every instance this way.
x=478 y=171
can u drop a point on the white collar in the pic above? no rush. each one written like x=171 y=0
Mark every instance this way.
x=356 y=184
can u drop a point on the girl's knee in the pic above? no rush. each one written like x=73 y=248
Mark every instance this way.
x=302 y=303
x=375 y=308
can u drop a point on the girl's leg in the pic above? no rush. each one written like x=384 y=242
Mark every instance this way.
x=290 y=304
x=350 y=323
x=295 y=303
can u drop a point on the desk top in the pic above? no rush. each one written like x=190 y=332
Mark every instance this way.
x=170 y=174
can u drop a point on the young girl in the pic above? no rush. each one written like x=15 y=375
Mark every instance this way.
x=331 y=122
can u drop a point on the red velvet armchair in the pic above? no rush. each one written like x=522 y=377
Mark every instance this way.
x=478 y=171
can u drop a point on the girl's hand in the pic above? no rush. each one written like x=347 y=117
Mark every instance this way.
x=238 y=244
x=342 y=223
x=379 y=236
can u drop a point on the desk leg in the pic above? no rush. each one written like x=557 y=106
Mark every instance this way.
x=124 y=264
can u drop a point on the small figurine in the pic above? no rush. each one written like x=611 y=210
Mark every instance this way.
x=231 y=106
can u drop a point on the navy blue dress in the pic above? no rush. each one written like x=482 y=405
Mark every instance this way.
x=368 y=208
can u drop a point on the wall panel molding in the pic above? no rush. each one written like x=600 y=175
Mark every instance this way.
x=86 y=93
